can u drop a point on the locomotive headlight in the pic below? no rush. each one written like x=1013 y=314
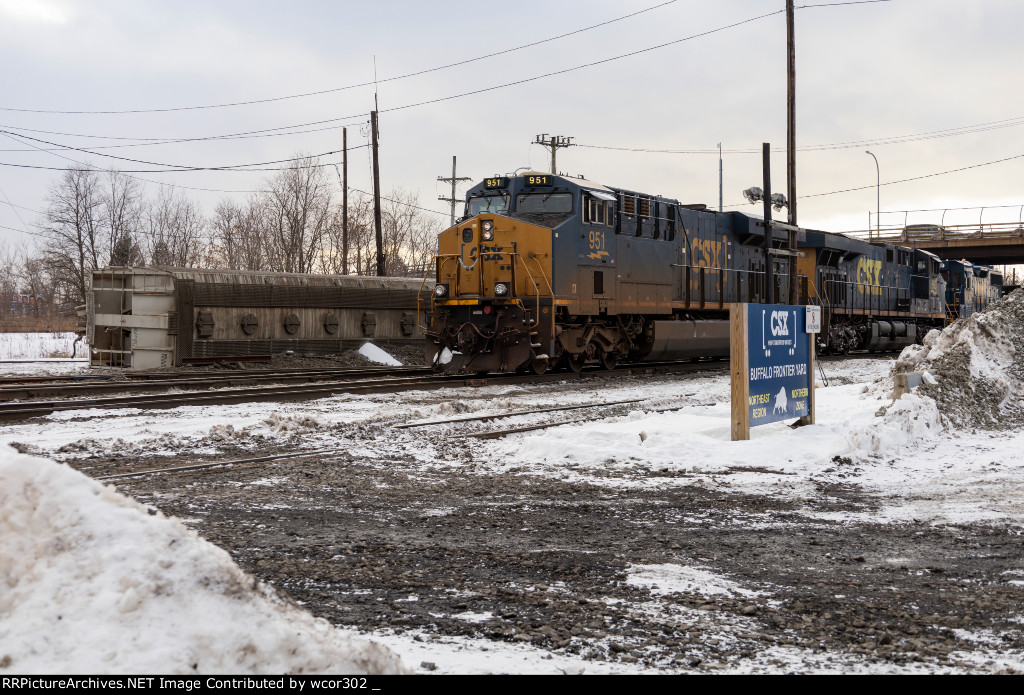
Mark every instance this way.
x=441 y=290
x=500 y=289
x=488 y=230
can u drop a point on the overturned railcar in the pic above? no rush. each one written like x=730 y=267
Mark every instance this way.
x=146 y=318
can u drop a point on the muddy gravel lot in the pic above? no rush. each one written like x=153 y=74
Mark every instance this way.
x=422 y=535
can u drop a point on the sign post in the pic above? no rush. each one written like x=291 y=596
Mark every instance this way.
x=772 y=364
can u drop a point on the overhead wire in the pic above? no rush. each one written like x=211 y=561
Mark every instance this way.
x=348 y=87
x=849 y=144
x=178 y=167
x=898 y=181
x=483 y=90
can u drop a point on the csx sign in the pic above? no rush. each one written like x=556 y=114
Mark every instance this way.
x=778 y=323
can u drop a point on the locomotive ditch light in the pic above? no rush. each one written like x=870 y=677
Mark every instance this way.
x=441 y=290
x=500 y=289
x=488 y=230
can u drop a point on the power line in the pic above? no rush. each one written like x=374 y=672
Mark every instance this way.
x=906 y=180
x=350 y=118
x=352 y=86
x=150 y=142
x=400 y=202
x=174 y=167
x=850 y=144
x=918 y=178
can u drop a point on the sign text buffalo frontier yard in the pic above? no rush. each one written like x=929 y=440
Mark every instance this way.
x=772 y=364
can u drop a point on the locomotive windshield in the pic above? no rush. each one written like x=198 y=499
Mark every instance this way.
x=543 y=203
x=487 y=203
x=549 y=208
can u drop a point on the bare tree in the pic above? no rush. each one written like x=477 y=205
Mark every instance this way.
x=72 y=232
x=360 y=240
x=174 y=229
x=410 y=233
x=239 y=235
x=298 y=212
x=122 y=218
x=9 y=271
x=36 y=280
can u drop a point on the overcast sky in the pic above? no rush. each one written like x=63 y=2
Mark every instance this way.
x=870 y=76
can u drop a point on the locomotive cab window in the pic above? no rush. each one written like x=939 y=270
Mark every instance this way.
x=597 y=211
x=487 y=203
x=543 y=203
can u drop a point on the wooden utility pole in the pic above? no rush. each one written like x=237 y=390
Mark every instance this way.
x=554 y=142
x=794 y=295
x=769 y=258
x=453 y=200
x=344 y=201
x=376 y=196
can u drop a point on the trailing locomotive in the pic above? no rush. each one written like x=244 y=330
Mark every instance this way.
x=970 y=288
x=547 y=271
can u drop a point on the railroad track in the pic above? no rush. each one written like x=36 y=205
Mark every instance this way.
x=42 y=387
x=333 y=451
x=11 y=411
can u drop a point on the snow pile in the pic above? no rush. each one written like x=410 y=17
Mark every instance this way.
x=907 y=422
x=978 y=371
x=92 y=583
x=375 y=354
x=291 y=424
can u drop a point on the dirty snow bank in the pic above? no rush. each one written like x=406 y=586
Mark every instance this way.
x=92 y=583
x=979 y=373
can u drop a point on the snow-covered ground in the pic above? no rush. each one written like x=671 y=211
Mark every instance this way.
x=905 y=454
x=35 y=346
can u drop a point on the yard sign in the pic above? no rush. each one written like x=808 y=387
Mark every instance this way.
x=772 y=365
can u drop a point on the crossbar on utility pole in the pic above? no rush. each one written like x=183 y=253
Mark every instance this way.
x=453 y=180
x=555 y=142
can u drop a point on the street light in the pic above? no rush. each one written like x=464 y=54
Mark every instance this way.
x=878 y=196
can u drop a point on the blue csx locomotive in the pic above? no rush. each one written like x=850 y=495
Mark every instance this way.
x=546 y=271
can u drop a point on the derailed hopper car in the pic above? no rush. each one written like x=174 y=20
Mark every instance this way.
x=144 y=318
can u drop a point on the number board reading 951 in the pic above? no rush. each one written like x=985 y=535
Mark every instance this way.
x=537 y=180
x=499 y=182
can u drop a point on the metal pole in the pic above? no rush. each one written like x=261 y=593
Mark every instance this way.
x=453 y=191
x=720 y=206
x=344 y=202
x=878 y=201
x=769 y=270
x=376 y=196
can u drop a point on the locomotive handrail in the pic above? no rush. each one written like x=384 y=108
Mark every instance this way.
x=439 y=262
x=536 y=286
x=872 y=301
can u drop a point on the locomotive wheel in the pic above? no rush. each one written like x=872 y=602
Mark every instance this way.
x=576 y=362
x=609 y=360
x=539 y=366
